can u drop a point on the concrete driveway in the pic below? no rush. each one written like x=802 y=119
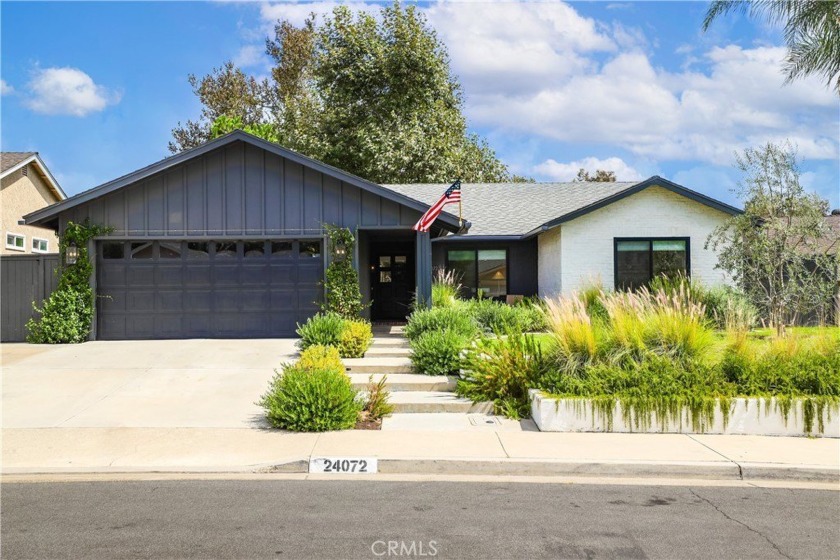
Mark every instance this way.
x=156 y=383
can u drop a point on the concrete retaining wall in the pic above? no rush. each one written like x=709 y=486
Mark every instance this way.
x=746 y=417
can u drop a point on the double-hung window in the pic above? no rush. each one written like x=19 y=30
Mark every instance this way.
x=639 y=260
x=480 y=271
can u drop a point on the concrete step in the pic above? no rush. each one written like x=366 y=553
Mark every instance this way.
x=377 y=365
x=385 y=330
x=390 y=342
x=388 y=352
x=406 y=382
x=434 y=401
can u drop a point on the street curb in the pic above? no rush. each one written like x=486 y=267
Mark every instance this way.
x=724 y=470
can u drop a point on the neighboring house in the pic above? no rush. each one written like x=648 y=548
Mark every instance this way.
x=227 y=240
x=27 y=186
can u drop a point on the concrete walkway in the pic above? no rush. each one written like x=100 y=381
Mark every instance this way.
x=479 y=450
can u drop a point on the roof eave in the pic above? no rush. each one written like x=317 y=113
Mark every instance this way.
x=656 y=180
x=35 y=158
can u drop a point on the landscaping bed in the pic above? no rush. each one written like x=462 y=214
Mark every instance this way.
x=672 y=358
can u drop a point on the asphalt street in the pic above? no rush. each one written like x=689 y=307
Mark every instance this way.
x=291 y=519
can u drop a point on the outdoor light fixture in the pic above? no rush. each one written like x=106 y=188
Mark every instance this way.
x=340 y=251
x=71 y=254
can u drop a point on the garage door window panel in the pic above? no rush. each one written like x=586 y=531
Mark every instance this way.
x=142 y=251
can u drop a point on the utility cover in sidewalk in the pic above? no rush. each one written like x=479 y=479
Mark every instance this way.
x=484 y=420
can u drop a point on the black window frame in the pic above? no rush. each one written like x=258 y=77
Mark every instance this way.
x=650 y=240
x=475 y=250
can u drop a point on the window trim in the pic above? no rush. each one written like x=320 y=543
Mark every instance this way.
x=12 y=247
x=475 y=249
x=617 y=240
x=42 y=251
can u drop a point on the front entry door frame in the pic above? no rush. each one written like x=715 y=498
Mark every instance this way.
x=392 y=280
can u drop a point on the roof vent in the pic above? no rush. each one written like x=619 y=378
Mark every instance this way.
x=835 y=212
x=25 y=171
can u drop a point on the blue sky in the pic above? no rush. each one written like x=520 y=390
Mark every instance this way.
x=630 y=86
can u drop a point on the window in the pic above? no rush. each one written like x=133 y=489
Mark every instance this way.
x=198 y=250
x=309 y=249
x=254 y=249
x=481 y=271
x=142 y=250
x=281 y=249
x=638 y=261
x=225 y=249
x=170 y=249
x=15 y=242
x=113 y=250
x=40 y=245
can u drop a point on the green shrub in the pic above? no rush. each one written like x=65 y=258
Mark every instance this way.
x=341 y=288
x=323 y=329
x=65 y=318
x=355 y=339
x=502 y=370
x=66 y=315
x=653 y=384
x=319 y=357
x=306 y=400
x=376 y=405
x=494 y=316
x=785 y=366
x=453 y=319
x=437 y=352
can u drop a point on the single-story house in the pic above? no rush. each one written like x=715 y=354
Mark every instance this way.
x=227 y=239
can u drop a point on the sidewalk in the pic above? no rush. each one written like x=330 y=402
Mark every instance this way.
x=481 y=451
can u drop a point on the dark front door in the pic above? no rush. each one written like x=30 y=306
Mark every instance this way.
x=392 y=281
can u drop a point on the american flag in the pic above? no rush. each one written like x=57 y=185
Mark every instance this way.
x=452 y=195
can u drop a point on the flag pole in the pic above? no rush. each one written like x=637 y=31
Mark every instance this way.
x=460 y=213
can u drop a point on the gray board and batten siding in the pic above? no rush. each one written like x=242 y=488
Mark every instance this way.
x=24 y=280
x=238 y=190
x=235 y=190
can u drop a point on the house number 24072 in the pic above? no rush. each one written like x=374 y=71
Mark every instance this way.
x=343 y=465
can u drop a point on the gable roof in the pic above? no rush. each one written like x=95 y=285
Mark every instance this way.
x=523 y=210
x=41 y=216
x=12 y=161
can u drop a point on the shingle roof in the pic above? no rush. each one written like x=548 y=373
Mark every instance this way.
x=526 y=209
x=515 y=208
x=10 y=159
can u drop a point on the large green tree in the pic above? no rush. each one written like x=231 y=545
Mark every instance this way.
x=811 y=29
x=775 y=251
x=374 y=96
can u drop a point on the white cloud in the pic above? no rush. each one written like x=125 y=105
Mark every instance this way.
x=297 y=12
x=5 y=89
x=516 y=48
x=542 y=69
x=555 y=171
x=250 y=55
x=68 y=91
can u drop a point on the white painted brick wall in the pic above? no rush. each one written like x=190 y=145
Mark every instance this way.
x=549 y=261
x=584 y=249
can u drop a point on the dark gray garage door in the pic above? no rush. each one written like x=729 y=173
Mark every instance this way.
x=199 y=289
